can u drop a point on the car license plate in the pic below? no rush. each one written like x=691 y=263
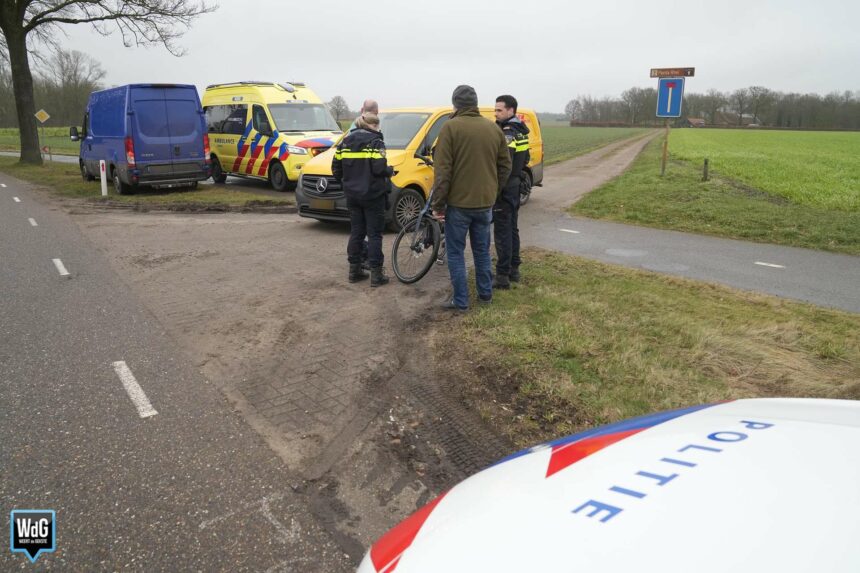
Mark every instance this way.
x=324 y=204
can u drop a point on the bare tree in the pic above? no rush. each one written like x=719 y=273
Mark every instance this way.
x=573 y=110
x=636 y=101
x=714 y=102
x=338 y=107
x=72 y=68
x=27 y=23
x=741 y=102
x=65 y=83
x=761 y=99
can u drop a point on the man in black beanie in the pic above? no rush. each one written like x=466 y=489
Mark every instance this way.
x=472 y=164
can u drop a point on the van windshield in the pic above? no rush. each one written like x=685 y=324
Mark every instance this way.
x=400 y=128
x=302 y=117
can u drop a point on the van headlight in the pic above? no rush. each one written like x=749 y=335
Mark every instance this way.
x=297 y=150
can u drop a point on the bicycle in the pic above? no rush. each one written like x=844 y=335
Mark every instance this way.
x=419 y=244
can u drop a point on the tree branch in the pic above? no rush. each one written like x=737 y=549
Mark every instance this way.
x=140 y=22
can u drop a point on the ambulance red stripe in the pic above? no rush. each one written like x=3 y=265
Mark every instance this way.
x=265 y=164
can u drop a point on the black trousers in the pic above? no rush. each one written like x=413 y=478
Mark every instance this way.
x=507 y=236
x=366 y=219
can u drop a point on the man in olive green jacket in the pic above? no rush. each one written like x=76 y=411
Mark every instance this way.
x=472 y=163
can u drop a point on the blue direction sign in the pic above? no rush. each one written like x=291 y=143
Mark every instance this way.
x=670 y=95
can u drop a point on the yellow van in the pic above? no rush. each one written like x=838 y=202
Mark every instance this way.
x=409 y=132
x=266 y=130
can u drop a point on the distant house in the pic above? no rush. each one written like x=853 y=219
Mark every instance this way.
x=730 y=118
x=694 y=122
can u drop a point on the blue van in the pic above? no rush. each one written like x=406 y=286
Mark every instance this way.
x=148 y=134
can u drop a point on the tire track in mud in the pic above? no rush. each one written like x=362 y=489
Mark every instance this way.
x=325 y=371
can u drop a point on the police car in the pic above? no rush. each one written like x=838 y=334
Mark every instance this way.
x=750 y=485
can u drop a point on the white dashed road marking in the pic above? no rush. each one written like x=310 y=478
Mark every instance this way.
x=771 y=265
x=569 y=231
x=59 y=264
x=33 y=222
x=135 y=392
x=16 y=199
x=3 y=185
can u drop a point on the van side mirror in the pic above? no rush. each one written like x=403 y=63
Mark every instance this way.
x=73 y=134
x=266 y=129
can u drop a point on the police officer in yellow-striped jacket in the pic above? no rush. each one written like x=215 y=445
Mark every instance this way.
x=505 y=211
x=359 y=163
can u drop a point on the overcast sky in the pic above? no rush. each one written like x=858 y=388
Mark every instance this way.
x=544 y=52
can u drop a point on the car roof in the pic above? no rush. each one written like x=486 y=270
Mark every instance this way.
x=764 y=484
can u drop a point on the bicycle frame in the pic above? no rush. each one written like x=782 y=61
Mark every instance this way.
x=427 y=204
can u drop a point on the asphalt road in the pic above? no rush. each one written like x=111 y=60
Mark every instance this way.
x=187 y=487
x=825 y=279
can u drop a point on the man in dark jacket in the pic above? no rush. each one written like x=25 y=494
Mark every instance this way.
x=506 y=209
x=359 y=164
x=471 y=165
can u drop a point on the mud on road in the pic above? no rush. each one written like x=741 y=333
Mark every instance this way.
x=341 y=380
x=338 y=378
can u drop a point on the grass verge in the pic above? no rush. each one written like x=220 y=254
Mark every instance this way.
x=581 y=343
x=721 y=206
x=65 y=180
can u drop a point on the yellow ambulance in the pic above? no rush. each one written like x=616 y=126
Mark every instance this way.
x=409 y=134
x=265 y=130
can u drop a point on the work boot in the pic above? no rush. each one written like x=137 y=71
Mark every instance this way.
x=515 y=275
x=355 y=273
x=377 y=277
x=502 y=282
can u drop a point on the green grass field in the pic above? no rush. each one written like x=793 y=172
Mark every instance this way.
x=564 y=142
x=56 y=137
x=580 y=343
x=751 y=202
x=821 y=169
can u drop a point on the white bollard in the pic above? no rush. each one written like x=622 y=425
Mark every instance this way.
x=103 y=171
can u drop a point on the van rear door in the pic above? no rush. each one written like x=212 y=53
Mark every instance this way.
x=152 y=147
x=185 y=124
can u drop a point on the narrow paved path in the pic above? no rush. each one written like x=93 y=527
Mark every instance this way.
x=822 y=278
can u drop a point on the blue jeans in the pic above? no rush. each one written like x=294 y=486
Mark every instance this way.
x=477 y=223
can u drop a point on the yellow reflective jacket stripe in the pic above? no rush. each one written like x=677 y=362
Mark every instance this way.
x=364 y=154
x=519 y=145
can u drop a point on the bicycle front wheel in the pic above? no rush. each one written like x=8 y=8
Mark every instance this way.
x=415 y=249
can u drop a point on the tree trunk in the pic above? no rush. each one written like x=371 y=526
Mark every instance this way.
x=22 y=84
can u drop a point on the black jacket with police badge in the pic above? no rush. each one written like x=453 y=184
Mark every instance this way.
x=359 y=163
x=517 y=136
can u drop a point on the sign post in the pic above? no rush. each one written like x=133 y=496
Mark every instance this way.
x=103 y=174
x=670 y=99
x=44 y=116
x=665 y=151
